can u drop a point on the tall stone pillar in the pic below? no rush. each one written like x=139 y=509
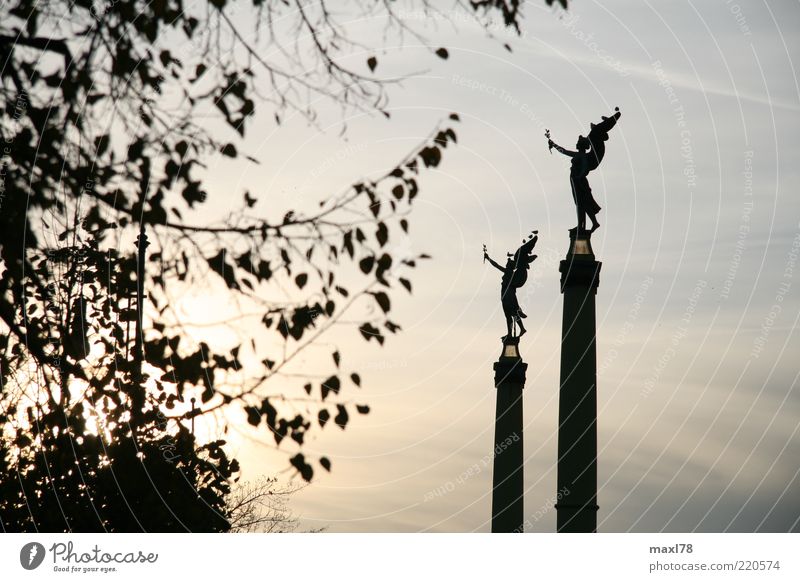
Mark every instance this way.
x=577 y=402
x=507 y=480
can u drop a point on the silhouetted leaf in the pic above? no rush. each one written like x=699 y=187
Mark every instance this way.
x=366 y=264
x=431 y=156
x=382 y=234
x=253 y=415
x=342 y=417
x=222 y=268
x=332 y=384
x=198 y=72
x=369 y=332
x=299 y=463
x=383 y=300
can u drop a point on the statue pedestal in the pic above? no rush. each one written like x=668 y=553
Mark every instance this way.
x=508 y=487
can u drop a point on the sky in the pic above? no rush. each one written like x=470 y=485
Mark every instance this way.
x=699 y=297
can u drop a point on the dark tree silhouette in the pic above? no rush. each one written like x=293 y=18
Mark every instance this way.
x=104 y=136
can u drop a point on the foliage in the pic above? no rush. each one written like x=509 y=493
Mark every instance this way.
x=262 y=506
x=104 y=138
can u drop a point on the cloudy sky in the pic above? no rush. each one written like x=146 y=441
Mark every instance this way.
x=699 y=295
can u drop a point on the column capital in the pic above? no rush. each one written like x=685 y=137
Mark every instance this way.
x=509 y=371
x=580 y=272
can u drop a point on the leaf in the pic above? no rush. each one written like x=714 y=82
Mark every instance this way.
x=383 y=301
x=369 y=332
x=397 y=191
x=253 y=415
x=392 y=326
x=341 y=417
x=362 y=408
x=101 y=144
x=405 y=283
x=431 y=156
x=228 y=150
x=337 y=358
x=382 y=234
x=264 y=270
x=135 y=150
x=347 y=243
x=366 y=264
x=332 y=384
x=356 y=379
x=372 y=62
x=442 y=53
x=165 y=57
x=198 y=72
x=299 y=463
x=223 y=269
x=326 y=464
x=323 y=417
x=301 y=280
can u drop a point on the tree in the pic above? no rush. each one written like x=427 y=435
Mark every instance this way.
x=262 y=506
x=102 y=147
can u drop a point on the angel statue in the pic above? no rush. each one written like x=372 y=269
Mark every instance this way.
x=515 y=274
x=591 y=150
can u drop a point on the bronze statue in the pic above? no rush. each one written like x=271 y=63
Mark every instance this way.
x=591 y=150
x=515 y=274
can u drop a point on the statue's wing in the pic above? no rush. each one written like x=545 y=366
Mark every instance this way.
x=597 y=137
x=595 y=154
